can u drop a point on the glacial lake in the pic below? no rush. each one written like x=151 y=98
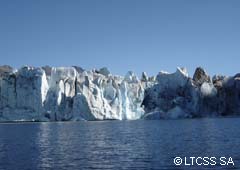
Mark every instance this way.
x=134 y=145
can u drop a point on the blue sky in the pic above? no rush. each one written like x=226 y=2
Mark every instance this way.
x=138 y=35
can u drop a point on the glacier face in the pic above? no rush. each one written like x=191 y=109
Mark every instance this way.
x=173 y=96
x=100 y=96
x=69 y=93
x=72 y=93
x=178 y=96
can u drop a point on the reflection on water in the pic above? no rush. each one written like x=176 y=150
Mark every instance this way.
x=42 y=142
x=115 y=144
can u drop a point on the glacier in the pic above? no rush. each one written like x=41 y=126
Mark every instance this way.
x=74 y=94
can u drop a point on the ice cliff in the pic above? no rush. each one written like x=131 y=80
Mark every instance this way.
x=72 y=93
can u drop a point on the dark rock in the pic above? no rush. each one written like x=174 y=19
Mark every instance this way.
x=200 y=76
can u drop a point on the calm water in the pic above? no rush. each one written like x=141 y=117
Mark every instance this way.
x=117 y=145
